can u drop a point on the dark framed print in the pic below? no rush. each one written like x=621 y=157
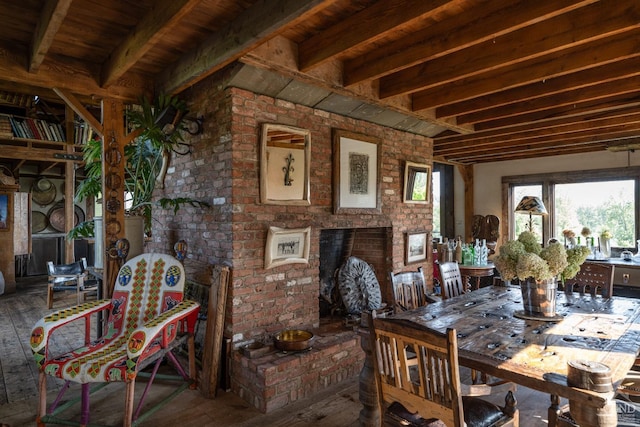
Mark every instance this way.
x=417 y=182
x=285 y=161
x=5 y=211
x=356 y=173
x=416 y=247
x=287 y=246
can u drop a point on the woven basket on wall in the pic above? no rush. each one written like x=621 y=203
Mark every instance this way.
x=6 y=177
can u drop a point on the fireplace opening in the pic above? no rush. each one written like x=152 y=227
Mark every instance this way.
x=371 y=245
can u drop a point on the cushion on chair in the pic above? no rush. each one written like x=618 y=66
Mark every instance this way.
x=477 y=413
x=480 y=413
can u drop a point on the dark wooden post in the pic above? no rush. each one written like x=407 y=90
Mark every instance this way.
x=370 y=413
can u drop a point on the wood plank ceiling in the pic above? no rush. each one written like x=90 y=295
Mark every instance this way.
x=498 y=80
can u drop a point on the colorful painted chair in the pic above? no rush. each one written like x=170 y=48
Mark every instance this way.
x=147 y=318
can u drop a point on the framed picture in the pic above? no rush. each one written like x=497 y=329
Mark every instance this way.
x=5 y=211
x=356 y=169
x=417 y=182
x=285 y=161
x=416 y=247
x=287 y=246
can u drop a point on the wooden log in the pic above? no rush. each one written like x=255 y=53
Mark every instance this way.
x=214 y=332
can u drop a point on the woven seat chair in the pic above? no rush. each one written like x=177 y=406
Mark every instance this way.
x=147 y=318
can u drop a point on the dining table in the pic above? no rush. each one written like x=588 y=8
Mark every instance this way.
x=497 y=337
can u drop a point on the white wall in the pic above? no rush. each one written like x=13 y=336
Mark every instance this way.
x=488 y=176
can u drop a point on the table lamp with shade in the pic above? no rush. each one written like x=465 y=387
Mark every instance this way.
x=533 y=206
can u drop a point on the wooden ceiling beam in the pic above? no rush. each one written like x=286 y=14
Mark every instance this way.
x=482 y=23
x=51 y=18
x=626 y=130
x=80 y=110
x=574 y=122
x=523 y=155
x=164 y=16
x=556 y=35
x=593 y=76
x=366 y=27
x=546 y=129
x=587 y=109
x=587 y=56
x=69 y=74
x=582 y=96
x=573 y=145
x=257 y=24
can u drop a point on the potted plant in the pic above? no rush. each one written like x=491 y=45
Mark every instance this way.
x=159 y=129
x=538 y=269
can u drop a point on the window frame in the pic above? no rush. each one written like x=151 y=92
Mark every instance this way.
x=548 y=181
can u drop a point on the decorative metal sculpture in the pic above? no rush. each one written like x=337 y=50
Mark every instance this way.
x=288 y=170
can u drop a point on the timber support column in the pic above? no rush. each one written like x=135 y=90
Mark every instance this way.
x=113 y=142
x=467 y=177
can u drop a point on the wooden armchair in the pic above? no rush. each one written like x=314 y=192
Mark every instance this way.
x=429 y=392
x=409 y=289
x=452 y=283
x=67 y=277
x=147 y=319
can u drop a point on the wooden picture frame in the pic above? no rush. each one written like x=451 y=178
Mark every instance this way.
x=287 y=246
x=5 y=211
x=285 y=163
x=356 y=173
x=416 y=243
x=417 y=182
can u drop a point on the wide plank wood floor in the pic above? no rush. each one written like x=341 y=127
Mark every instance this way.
x=334 y=407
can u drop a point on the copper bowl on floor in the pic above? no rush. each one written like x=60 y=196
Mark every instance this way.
x=293 y=340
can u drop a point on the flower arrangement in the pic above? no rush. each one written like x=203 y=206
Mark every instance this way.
x=606 y=234
x=525 y=257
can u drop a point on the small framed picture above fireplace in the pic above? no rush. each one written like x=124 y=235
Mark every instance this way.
x=356 y=173
x=416 y=247
x=287 y=246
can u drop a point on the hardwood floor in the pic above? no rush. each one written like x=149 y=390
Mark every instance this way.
x=335 y=407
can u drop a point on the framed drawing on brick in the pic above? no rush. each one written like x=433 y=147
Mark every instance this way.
x=285 y=159
x=287 y=246
x=356 y=173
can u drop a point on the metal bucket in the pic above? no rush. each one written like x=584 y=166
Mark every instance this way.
x=539 y=297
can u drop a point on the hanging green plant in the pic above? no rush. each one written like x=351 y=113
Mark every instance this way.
x=160 y=127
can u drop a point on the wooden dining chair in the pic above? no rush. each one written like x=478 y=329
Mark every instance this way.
x=429 y=392
x=409 y=289
x=452 y=282
x=595 y=278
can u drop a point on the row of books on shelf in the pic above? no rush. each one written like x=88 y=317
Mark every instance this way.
x=26 y=127
x=83 y=133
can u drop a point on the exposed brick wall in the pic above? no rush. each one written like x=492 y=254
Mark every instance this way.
x=223 y=169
